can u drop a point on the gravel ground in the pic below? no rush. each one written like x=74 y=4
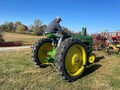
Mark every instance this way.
x=13 y=48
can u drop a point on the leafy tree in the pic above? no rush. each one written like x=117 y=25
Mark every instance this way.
x=67 y=30
x=26 y=28
x=20 y=29
x=1 y=38
x=3 y=28
x=42 y=30
x=18 y=23
x=10 y=27
x=7 y=27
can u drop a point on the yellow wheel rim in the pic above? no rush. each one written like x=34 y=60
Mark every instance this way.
x=42 y=52
x=91 y=58
x=75 y=60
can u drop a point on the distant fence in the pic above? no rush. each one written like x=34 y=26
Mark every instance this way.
x=7 y=44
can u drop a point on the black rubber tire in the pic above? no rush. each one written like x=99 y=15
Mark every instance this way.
x=35 y=49
x=60 y=58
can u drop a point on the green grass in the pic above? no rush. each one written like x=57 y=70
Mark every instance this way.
x=114 y=78
x=18 y=72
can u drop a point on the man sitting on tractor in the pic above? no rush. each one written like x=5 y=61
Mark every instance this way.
x=51 y=31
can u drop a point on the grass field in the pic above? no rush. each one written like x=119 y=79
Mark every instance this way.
x=25 y=38
x=18 y=72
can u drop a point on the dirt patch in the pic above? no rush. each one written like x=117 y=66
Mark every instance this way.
x=14 y=48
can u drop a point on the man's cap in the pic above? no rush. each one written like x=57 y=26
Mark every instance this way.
x=58 y=18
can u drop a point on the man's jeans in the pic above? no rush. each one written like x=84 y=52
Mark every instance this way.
x=54 y=37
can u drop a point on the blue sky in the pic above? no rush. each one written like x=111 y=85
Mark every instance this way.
x=96 y=15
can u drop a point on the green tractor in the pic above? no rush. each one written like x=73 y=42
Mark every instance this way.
x=70 y=58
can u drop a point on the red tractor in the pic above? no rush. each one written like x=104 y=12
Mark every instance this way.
x=99 y=41
x=113 y=43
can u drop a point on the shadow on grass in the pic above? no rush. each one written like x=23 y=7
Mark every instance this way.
x=97 y=59
x=91 y=69
x=94 y=67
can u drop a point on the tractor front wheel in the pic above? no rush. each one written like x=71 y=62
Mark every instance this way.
x=91 y=58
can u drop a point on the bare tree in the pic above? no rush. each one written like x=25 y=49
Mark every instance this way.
x=36 y=26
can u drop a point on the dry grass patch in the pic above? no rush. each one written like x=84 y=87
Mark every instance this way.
x=26 y=39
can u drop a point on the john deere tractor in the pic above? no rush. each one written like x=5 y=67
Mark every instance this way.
x=70 y=58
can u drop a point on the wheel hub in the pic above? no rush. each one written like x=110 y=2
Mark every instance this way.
x=75 y=60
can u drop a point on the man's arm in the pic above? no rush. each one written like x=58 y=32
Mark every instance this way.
x=59 y=28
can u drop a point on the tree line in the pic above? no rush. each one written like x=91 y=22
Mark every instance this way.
x=18 y=27
x=37 y=28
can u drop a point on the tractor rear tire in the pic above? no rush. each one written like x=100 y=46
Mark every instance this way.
x=71 y=59
x=39 y=52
